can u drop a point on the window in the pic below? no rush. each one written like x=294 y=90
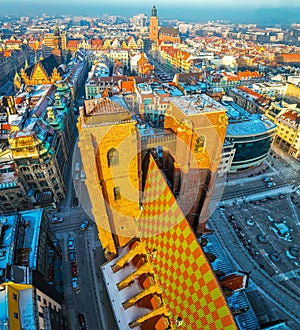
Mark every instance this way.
x=45 y=302
x=39 y=298
x=14 y=296
x=117 y=193
x=39 y=175
x=16 y=315
x=200 y=143
x=112 y=157
x=41 y=314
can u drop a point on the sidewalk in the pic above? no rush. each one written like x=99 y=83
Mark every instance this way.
x=252 y=174
x=258 y=196
x=292 y=162
x=278 y=164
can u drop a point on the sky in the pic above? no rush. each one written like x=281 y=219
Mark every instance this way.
x=262 y=11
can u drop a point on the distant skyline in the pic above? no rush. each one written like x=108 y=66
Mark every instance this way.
x=247 y=11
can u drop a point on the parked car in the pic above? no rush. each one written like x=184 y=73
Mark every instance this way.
x=84 y=225
x=246 y=242
x=81 y=320
x=74 y=269
x=75 y=284
x=71 y=243
x=72 y=256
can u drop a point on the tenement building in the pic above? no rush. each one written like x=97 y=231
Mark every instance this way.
x=39 y=146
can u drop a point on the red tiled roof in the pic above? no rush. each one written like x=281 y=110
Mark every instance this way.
x=127 y=86
x=5 y=126
x=12 y=41
x=290 y=57
x=292 y=115
x=248 y=74
x=73 y=43
x=249 y=91
x=96 y=42
x=7 y=53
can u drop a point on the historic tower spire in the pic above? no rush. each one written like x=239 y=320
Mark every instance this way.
x=154 y=25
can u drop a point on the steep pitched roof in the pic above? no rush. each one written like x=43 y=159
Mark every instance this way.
x=102 y=106
x=49 y=63
x=169 y=31
x=189 y=287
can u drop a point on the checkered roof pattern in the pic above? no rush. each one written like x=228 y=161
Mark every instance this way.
x=190 y=290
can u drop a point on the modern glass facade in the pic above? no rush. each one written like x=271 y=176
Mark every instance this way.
x=250 y=152
x=250 y=135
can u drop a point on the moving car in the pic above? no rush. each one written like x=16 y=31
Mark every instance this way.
x=270 y=184
x=268 y=179
x=56 y=219
x=84 y=225
x=77 y=167
x=71 y=243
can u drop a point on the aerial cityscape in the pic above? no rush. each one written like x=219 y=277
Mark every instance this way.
x=150 y=165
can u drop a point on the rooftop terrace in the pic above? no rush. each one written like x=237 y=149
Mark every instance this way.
x=197 y=104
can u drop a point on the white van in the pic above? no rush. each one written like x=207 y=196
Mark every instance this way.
x=82 y=175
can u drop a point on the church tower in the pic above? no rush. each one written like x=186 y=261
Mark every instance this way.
x=109 y=148
x=154 y=25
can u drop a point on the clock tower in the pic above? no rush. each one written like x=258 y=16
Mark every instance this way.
x=154 y=25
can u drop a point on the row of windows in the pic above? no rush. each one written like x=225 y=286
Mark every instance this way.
x=36 y=167
x=46 y=304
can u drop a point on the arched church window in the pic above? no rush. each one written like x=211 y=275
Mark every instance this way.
x=200 y=143
x=112 y=157
x=117 y=193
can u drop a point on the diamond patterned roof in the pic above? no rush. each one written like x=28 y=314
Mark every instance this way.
x=190 y=290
